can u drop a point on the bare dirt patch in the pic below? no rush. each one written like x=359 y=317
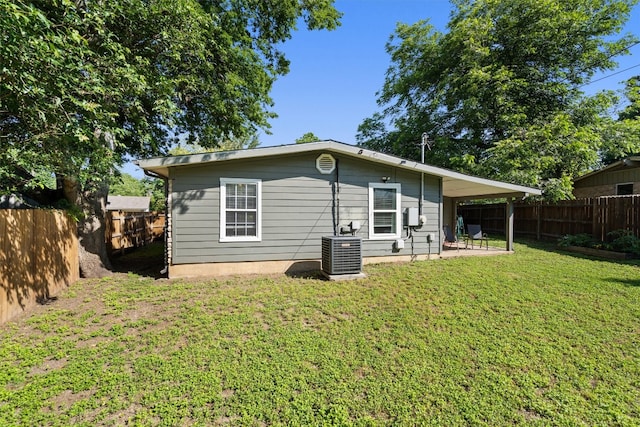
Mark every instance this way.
x=48 y=366
x=68 y=398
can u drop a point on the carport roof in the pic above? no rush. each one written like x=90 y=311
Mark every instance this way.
x=455 y=185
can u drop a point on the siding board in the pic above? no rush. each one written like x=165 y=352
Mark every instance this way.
x=604 y=183
x=297 y=208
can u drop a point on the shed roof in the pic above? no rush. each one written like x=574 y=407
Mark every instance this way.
x=128 y=203
x=631 y=161
x=455 y=184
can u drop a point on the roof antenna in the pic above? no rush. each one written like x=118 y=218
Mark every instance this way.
x=424 y=142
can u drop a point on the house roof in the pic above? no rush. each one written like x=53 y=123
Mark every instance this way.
x=455 y=184
x=128 y=203
x=631 y=161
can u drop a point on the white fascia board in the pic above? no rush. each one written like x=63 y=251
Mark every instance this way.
x=161 y=165
x=448 y=176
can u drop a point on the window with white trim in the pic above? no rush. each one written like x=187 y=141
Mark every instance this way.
x=240 y=210
x=384 y=211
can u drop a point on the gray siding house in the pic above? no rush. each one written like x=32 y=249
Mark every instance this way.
x=267 y=209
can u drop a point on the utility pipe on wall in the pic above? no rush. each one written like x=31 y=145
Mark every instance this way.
x=338 y=195
x=336 y=200
x=423 y=142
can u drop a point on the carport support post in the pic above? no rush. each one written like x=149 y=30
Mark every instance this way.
x=509 y=223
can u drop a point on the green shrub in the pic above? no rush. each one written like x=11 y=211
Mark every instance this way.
x=584 y=240
x=624 y=241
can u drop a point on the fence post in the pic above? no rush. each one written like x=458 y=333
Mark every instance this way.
x=538 y=208
x=121 y=220
x=596 y=210
x=635 y=216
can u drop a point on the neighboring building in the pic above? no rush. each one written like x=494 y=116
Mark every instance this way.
x=620 y=178
x=268 y=208
x=128 y=203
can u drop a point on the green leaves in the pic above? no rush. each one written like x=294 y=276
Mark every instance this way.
x=82 y=85
x=500 y=91
x=307 y=137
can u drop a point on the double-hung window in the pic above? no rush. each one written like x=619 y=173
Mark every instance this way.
x=240 y=210
x=384 y=211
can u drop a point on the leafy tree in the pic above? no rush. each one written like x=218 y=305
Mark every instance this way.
x=622 y=137
x=551 y=152
x=127 y=185
x=500 y=92
x=307 y=137
x=83 y=84
x=632 y=93
x=155 y=188
x=229 y=144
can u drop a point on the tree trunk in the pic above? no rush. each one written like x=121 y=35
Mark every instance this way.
x=94 y=260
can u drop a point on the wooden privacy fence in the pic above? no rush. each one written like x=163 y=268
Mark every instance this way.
x=596 y=216
x=126 y=230
x=38 y=257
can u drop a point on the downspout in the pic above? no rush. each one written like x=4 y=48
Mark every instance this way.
x=167 y=217
x=440 y=213
x=422 y=144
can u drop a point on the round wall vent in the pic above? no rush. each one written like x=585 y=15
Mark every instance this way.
x=325 y=163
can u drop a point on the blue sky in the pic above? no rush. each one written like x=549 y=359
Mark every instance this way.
x=331 y=87
x=334 y=75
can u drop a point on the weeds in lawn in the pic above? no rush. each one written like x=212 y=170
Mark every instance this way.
x=535 y=338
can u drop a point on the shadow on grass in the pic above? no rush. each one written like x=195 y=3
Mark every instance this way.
x=147 y=261
x=627 y=282
x=551 y=246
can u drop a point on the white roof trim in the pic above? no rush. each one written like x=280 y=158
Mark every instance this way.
x=455 y=184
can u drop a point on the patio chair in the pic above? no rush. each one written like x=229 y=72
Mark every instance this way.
x=450 y=237
x=474 y=232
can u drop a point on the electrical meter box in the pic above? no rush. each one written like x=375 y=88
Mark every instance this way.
x=411 y=217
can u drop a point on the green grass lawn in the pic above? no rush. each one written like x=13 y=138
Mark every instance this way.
x=534 y=338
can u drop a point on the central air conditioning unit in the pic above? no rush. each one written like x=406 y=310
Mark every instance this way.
x=341 y=255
